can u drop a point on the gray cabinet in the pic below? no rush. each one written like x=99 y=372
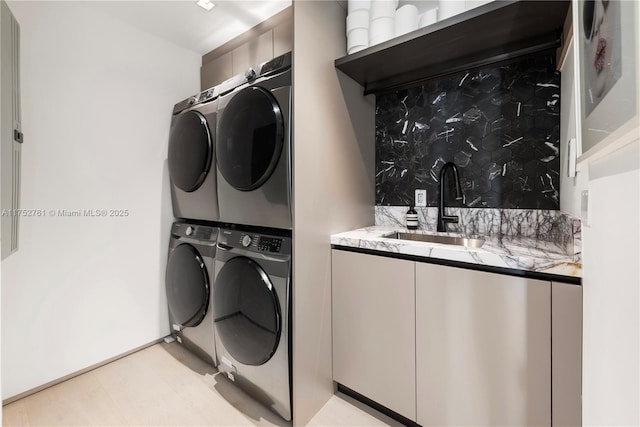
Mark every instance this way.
x=283 y=38
x=566 y=351
x=10 y=128
x=482 y=348
x=252 y=53
x=216 y=71
x=448 y=346
x=374 y=328
x=261 y=43
x=238 y=59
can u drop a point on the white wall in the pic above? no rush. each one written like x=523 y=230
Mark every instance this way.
x=97 y=99
x=611 y=247
x=611 y=274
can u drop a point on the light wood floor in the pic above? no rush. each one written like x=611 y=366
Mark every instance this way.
x=164 y=385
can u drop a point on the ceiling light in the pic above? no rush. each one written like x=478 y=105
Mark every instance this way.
x=205 y=4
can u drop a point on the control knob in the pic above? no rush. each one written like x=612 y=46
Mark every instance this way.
x=192 y=100
x=246 y=241
x=250 y=74
x=189 y=231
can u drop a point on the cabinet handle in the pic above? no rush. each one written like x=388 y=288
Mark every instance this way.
x=18 y=136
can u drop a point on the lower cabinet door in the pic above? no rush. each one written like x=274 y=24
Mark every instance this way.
x=373 y=301
x=483 y=355
x=566 y=351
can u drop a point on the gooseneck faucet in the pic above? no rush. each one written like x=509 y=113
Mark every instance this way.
x=442 y=218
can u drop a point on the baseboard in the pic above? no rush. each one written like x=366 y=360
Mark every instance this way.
x=75 y=374
x=378 y=407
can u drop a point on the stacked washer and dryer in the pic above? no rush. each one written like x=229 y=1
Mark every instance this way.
x=192 y=245
x=228 y=275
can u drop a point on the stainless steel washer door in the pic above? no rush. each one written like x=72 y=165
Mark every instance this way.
x=246 y=311
x=187 y=286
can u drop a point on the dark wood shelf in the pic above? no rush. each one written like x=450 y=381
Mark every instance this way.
x=495 y=32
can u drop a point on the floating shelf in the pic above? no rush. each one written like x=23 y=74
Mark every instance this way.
x=494 y=32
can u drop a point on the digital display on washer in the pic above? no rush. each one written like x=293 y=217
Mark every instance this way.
x=269 y=244
x=203 y=233
x=207 y=95
x=274 y=64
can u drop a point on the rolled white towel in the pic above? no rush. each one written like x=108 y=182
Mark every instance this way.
x=406 y=19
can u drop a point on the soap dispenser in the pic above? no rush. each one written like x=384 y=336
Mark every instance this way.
x=411 y=219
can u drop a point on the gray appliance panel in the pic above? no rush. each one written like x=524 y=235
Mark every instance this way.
x=268 y=383
x=199 y=339
x=202 y=203
x=270 y=204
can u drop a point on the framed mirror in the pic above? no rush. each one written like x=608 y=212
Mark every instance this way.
x=606 y=36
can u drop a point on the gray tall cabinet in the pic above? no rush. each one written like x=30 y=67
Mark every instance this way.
x=10 y=128
x=333 y=165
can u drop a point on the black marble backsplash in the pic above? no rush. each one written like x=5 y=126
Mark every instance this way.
x=500 y=126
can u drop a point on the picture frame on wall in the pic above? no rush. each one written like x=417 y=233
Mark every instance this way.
x=608 y=86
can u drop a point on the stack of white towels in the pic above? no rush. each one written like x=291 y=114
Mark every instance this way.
x=370 y=22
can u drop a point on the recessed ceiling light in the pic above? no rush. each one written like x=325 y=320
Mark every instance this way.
x=205 y=4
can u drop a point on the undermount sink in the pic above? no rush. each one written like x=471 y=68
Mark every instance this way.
x=434 y=238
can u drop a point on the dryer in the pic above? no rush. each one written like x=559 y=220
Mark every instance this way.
x=192 y=158
x=252 y=313
x=253 y=146
x=188 y=280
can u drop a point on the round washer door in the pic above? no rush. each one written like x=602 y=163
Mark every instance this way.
x=246 y=310
x=190 y=150
x=250 y=138
x=187 y=286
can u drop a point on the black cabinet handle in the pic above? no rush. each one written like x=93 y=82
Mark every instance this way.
x=18 y=136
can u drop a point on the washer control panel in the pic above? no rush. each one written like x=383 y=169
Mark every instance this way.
x=276 y=64
x=194 y=231
x=255 y=242
x=260 y=243
x=269 y=244
x=208 y=95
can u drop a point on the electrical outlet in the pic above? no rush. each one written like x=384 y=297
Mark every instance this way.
x=421 y=198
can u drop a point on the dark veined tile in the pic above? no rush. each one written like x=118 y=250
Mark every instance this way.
x=500 y=125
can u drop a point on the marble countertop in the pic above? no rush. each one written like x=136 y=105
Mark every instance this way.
x=525 y=254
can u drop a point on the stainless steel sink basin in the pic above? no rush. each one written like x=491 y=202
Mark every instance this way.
x=434 y=238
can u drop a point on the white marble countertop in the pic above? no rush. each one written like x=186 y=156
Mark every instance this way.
x=525 y=254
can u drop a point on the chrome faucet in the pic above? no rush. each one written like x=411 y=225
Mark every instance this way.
x=442 y=218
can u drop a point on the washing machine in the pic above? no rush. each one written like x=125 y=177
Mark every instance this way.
x=188 y=283
x=253 y=146
x=252 y=314
x=192 y=158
